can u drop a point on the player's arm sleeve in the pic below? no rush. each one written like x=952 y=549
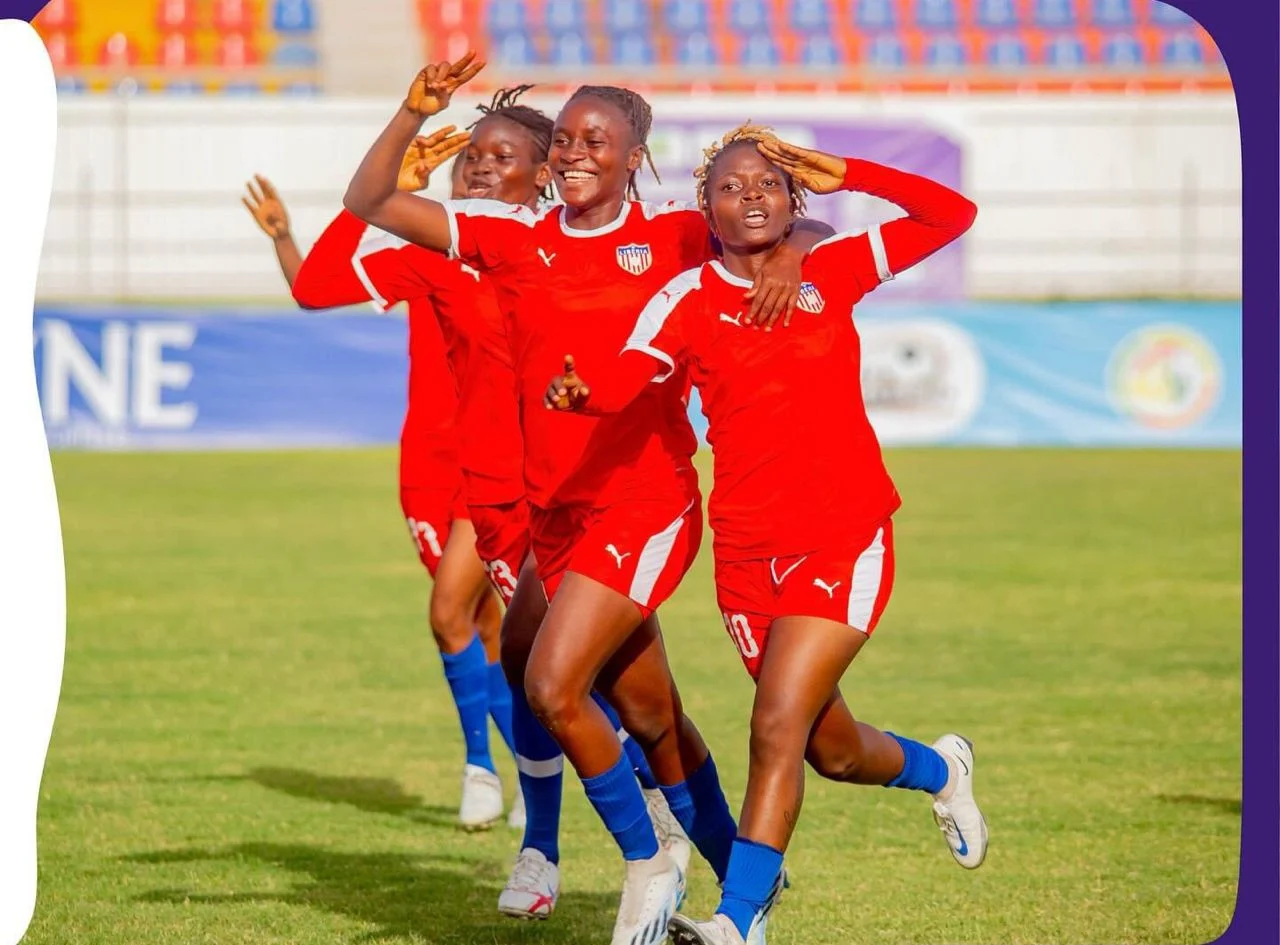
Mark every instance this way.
x=351 y=263
x=488 y=234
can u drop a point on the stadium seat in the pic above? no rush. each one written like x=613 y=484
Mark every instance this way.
x=821 y=51
x=874 y=14
x=759 y=51
x=176 y=16
x=749 y=16
x=810 y=16
x=885 y=51
x=686 y=16
x=946 y=51
x=233 y=16
x=1065 y=51
x=1111 y=13
x=1163 y=14
x=632 y=49
x=69 y=85
x=58 y=15
x=506 y=16
x=625 y=16
x=697 y=49
x=1054 y=14
x=176 y=51
x=935 y=14
x=242 y=88
x=996 y=14
x=235 y=51
x=1007 y=51
x=1182 y=48
x=513 y=50
x=118 y=51
x=571 y=49
x=296 y=56
x=1122 y=50
x=446 y=15
x=292 y=17
x=565 y=16
x=62 y=51
x=184 y=87
x=300 y=88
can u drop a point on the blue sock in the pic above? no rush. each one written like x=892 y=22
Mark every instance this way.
x=635 y=754
x=617 y=799
x=923 y=769
x=753 y=869
x=700 y=807
x=541 y=768
x=500 y=704
x=468 y=681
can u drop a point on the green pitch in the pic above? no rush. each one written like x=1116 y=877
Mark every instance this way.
x=255 y=742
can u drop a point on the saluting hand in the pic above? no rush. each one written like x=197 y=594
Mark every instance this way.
x=815 y=171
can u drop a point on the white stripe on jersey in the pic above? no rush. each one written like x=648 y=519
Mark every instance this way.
x=477 y=207
x=653 y=558
x=375 y=242
x=875 y=238
x=864 y=586
x=654 y=316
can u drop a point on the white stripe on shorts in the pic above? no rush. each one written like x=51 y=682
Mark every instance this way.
x=864 y=585
x=540 y=769
x=653 y=558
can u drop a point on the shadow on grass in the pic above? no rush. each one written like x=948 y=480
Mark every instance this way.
x=400 y=894
x=1223 y=805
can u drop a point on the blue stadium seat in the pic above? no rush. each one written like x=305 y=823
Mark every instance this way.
x=996 y=14
x=181 y=87
x=1054 y=14
x=809 y=16
x=242 y=88
x=565 y=16
x=292 y=16
x=296 y=55
x=1163 y=14
x=886 y=51
x=1008 y=51
x=946 y=51
x=632 y=49
x=874 y=14
x=571 y=49
x=935 y=14
x=696 y=49
x=820 y=51
x=624 y=16
x=69 y=85
x=686 y=16
x=1113 y=13
x=506 y=16
x=749 y=16
x=1065 y=51
x=513 y=50
x=1122 y=49
x=1182 y=49
x=759 y=50
x=301 y=89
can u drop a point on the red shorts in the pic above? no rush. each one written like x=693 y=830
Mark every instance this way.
x=639 y=549
x=849 y=584
x=429 y=513
x=502 y=542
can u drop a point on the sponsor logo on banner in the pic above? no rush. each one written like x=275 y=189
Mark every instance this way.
x=1164 y=376
x=922 y=379
x=811 y=299
x=635 y=258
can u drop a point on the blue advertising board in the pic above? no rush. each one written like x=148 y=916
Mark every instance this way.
x=1007 y=374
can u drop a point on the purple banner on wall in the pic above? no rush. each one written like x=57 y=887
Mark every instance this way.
x=677 y=146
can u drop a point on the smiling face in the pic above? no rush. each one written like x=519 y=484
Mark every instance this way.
x=748 y=199
x=593 y=153
x=500 y=163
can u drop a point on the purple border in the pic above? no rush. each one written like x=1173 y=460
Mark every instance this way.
x=1246 y=32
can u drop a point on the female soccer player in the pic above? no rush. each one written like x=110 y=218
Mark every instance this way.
x=431 y=496
x=616 y=517
x=801 y=506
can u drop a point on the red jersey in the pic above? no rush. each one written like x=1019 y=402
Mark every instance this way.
x=463 y=311
x=578 y=292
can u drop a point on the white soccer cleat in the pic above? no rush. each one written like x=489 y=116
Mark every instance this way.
x=650 y=897
x=533 y=887
x=516 y=819
x=718 y=930
x=954 y=809
x=670 y=834
x=482 y=803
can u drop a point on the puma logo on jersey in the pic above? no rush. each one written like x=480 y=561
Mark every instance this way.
x=829 y=588
x=732 y=319
x=545 y=258
x=617 y=555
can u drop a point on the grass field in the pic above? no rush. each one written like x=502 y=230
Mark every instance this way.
x=255 y=743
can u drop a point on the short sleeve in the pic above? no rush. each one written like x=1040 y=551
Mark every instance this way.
x=661 y=329
x=488 y=234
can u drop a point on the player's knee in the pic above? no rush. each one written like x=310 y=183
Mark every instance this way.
x=651 y=722
x=776 y=733
x=450 y=619
x=837 y=760
x=554 y=701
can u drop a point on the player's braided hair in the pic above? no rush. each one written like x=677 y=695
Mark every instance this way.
x=639 y=116
x=744 y=132
x=503 y=105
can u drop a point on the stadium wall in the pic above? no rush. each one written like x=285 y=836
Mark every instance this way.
x=1081 y=196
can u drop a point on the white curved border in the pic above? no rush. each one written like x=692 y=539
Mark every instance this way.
x=32 y=583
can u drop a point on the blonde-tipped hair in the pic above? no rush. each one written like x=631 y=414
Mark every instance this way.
x=744 y=132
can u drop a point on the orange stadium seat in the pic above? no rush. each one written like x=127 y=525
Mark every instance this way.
x=58 y=16
x=176 y=16
x=62 y=51
x=177 y=51
x=118 y=51
x=234 y=16
x=236 y=51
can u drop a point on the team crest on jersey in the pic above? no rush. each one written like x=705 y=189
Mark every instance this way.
x=811 y=299
x=635 y=258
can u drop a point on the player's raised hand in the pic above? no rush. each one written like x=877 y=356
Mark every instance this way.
x=434 y=86
x=427 y=153
x=267 y=207
x=815 y=171
x=776 y=288
x=567 y=392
